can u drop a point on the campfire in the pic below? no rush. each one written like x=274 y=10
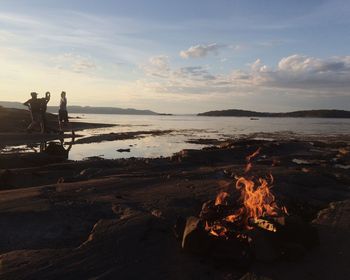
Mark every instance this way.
x=246 y=222
x=256 y=206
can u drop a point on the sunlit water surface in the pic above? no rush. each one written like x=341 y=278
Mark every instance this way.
x=189 y=127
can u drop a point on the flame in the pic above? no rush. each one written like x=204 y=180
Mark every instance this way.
x=221 y=198
x=248 y=167
x=249 y=158
x=218 y=230
x=253 y=155
x=256 y=202
x=257 y=199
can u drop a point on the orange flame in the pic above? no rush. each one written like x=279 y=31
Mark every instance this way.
x=253 y=155
x=248 y=167
x=249 y=158
x=256 y=199
x=221 y=198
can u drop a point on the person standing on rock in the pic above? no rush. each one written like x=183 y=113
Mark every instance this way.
x=43 y=108
x=62 y=112
x=34 y=106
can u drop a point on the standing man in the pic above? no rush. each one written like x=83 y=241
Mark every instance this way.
x=43 y=108
x=62 y=113
x=34 y=106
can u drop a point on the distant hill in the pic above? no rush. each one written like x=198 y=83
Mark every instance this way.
x=103 y=110
x=296 y=114
x=14 y=105
x=85 y=109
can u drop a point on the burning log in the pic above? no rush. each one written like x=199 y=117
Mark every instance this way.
x=263 y=224
x=196 y=240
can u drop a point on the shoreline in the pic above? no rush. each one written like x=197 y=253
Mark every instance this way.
x=15 y=121
x=23 y=138
x=114 y=218
x=82 y=216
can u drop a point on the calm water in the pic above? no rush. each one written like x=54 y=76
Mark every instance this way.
x=190 y=127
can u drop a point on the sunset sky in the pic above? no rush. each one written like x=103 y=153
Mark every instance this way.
x=178 y=56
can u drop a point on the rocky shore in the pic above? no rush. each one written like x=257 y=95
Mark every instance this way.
x=14 y=122
x=113 y=219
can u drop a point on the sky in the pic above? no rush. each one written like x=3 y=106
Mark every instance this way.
x=181 y=56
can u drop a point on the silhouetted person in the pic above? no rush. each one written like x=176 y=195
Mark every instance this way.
x=34 y=106
x=62 y=112
x=43 y=108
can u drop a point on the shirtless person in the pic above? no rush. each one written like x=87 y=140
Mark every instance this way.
x=34 y=106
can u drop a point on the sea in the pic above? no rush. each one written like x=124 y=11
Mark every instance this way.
x=190 y=127
x=185 y=129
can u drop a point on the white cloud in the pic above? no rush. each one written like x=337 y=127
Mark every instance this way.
x=200 y=50
x=296 y=73
x=75 y=62
x=309 y=73
x=157 y=66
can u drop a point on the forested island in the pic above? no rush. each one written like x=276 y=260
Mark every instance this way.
x=295 y=114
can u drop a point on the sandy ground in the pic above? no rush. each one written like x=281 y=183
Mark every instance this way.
x=113 y=219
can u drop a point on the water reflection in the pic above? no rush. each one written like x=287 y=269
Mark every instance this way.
x=58 y=148
x=185 y=129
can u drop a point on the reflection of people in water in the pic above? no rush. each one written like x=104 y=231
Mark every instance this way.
x=57 y=149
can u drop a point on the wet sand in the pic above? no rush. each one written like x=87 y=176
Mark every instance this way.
x=113 y=219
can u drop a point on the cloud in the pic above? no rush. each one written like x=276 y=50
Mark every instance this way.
x=300 y=73
x=74 y=62
x=157 y=66
x=106 y=38
x=200 y=50
x=308 y=73
x=296 y=74
x=197 y=73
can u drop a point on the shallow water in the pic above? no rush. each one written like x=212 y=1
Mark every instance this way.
x=189 y=127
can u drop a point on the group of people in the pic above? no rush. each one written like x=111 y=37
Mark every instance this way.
x=38 y=106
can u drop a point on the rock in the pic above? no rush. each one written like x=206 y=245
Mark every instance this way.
x=198 y=241
x=124 y=150
x=156 y=213
x=195 y=238
x=179 y=228
x=5 y=177
x=297 y=231
x=264 y=245
x=232 y=251
x=253 y=276
x=89 y=172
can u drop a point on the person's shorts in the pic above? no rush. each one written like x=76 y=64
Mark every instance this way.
x=63 y=116
x=36 y=117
